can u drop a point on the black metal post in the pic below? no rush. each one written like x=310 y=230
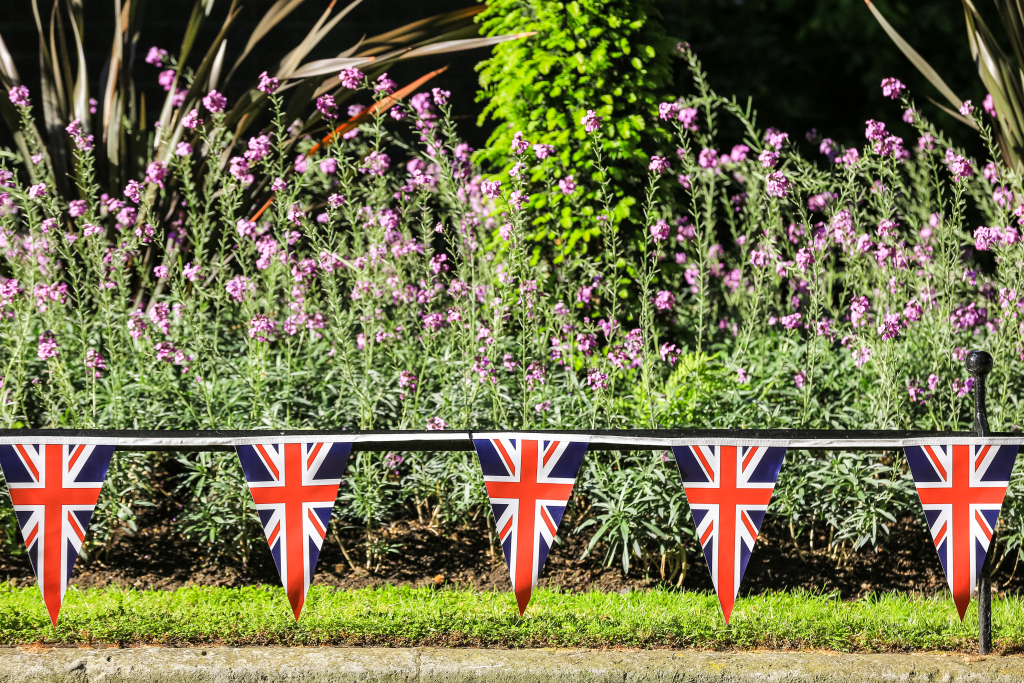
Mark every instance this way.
x=979 y=364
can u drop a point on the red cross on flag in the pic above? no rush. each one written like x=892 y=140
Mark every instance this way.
x=54 y=488
x=961 y=489
x=294 y=486
x=529 y=482
x=728 y=489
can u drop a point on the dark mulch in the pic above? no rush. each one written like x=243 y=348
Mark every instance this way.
x=158 y=558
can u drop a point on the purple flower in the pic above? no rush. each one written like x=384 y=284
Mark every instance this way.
x=326 y=106
x=661 y=164
x=239 y=169
x=660 y=230
x=336 y=201
x=37 y=191
x=669 y=353
x=191 y=272
x=94 y=360
x=890 y=327
x=385 y=85
x=160 y=271
x=567 y=184
x=959 y=166
x=963 y=389
x=19 y=96
x=799 y=379
x=436 y=424
x=260 y=327
x=792 y=321
x=351 y=78
x=166 y=79
x=858 y=310
x=890 y=146
x=542 y=151
x=78 y=207
x=543 y=406
x=739 y=153
x=850 y=157
x=688 y=118
x=775 y=138
x=966 y=109
x=259 y=146
x=156 y=56
x=437 y=264
x=591 y=122
x=47 y=346
x=407 y=380
x=819 y=202
x=669 y=110
x=183 y=149
x=491 y=188
x=933 y=381
x=776 y=184
x=708 y=158
x=156 y=171
x=268 y=84
x=392 y=461
x=160 y=315
x=328 y=166
x=440 y=96
x=519 y=144
x=376 y=163
x=664 y=300
x=517 y=200
x=191 y=119
x=860 y=356
x=989 y=105
x=133 y=191
x=768 y=158
x=984 y=237
x=804 y=259
x=892 y=88
x=215 y=102
x=913 y=310
x=596 y=379
x=875 y=130
x=239 y=287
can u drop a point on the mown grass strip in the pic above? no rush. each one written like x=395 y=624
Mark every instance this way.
x=408 y=616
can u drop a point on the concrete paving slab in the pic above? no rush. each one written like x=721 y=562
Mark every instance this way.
x=436 y=665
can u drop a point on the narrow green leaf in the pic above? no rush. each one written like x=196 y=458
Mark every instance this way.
x=916 y=59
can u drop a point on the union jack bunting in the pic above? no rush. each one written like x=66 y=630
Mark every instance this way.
x=529 y=482
x=294 y=486
x=54 y=489
x=728 y=489
x=961 y=489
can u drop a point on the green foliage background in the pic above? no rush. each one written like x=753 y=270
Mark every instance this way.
x=612 y=56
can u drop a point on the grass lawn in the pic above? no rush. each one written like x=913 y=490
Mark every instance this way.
x=408 y=616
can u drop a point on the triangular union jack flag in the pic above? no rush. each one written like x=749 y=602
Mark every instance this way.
x=54 y=489
x=961 y=489
x=294 y=486
x=728 y=489
x=529 y=482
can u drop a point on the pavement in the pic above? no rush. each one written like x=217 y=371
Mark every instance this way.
x=437 y=665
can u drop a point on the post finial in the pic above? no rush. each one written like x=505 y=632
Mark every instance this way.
x=979 y=365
